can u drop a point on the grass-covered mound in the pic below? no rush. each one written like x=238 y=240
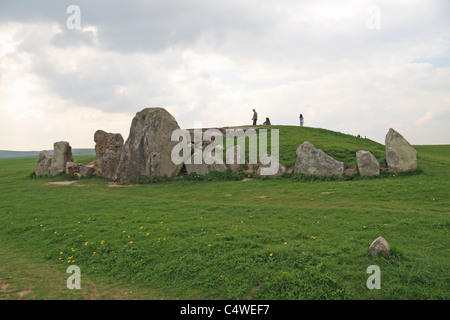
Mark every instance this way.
x=254 y=239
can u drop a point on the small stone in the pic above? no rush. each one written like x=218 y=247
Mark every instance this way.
x=72 y=168
x=87 y=172
x=379 y=247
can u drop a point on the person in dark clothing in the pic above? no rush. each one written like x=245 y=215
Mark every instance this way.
x=301 y=120
x=255 y=117
x=267 y=122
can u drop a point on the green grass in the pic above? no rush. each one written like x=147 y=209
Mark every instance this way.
x=340 y=146
x=256 y=239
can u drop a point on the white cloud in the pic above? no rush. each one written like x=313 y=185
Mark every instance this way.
x=214 y=63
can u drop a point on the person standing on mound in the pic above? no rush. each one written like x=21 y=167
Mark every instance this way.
x=301 y=120
x=255 y=117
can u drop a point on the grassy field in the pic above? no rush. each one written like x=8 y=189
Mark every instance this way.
x=254 y=239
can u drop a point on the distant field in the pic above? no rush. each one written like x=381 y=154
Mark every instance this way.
x=255 y=239
x=20 y=154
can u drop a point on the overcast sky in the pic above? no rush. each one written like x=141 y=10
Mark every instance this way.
x=357 y=67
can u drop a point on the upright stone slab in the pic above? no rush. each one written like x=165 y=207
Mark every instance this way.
x=108 y=148
x=43 y=163
x=148 y=148
x=312 y=161
x=62 y=153
x=400 y=155
x=368 y=165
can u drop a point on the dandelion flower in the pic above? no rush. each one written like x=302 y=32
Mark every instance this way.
x=93 y=254
x=86 y=243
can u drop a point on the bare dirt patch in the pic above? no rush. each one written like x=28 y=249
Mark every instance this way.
x=115 y=185
x=61 y=183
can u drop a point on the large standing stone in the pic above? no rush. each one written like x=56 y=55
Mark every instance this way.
x=148 y=148
x=379 y=247
x=43 y=163
x=108 y=148
x=400 y=155
x=368 y=165
x=62 y=153
x=312 y=161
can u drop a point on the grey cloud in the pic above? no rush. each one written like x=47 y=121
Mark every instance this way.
x=146 y=25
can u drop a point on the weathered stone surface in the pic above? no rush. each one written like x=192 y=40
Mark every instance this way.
x=280 y=169
x=312 y=161
x=72 y=168
x=108 y=148
x=148 y=148
x=400 y=155
x=62 y=153
x=204 y=168
x=233 y=156
x=379 y=247
x=368 y=165
x=87 y=172
x=43 y=163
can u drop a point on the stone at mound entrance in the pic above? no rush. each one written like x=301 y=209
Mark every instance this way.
x=400 y=155
x=43 y=163
x=62 y=153
x=312 y=161
x=46 y=164
x=368 y=165
x=108 y=148
x=148 y=148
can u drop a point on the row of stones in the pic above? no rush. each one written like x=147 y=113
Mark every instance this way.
x=148 y=148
